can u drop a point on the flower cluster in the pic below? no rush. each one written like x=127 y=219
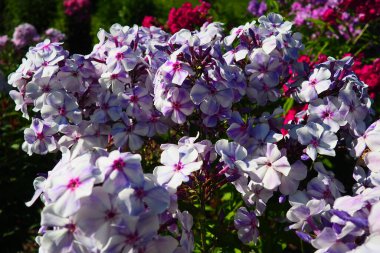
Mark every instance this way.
x=365 y=10
x=188 y=17
x=330 y=11
x=26 y=35
x=138 y=83
x=100 y=201
x=367 y=73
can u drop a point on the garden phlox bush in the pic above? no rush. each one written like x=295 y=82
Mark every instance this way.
x=99 y=110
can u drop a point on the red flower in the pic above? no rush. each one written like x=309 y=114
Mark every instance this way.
x=149 y=21
x=188 y=17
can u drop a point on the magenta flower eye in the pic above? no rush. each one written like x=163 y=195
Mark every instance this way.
x=73 y=184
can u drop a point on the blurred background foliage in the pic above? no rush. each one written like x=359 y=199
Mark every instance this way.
x=19 y=224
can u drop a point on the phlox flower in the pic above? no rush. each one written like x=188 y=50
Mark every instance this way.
x=120 y=170
x=247 y=224
x=317 y=139
x=271 y=166
x=178 y=105
x=318 y=82
x=39 y=138
x=178 y=164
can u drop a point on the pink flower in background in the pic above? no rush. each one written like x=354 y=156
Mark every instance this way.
x=78 y=8
x=3 y=40
x=149 y=21
x=24 y=35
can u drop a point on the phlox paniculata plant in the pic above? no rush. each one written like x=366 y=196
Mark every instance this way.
x=111 y=193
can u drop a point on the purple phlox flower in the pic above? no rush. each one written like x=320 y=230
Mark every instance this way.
x=211 y=96
x=116 y=80
x=154 y=122
x=178 y=105
x=270 y=166
x=317 y=139
x=247 y=225
x=260 y=135
x=257 y=8
x=21 y=102
x=123 y=58
x=329 y=178
x=68 y=186
x=108 y=109
x=46 y=55
x=263 y=67
x=212 y=120
x=302 y=214
x=39 y=138
x=136 y=100
x=239 y=53
x=235 y=79
x=66 y=236
x=178 y=164
x=61 y=108
x=328 y=112
x=39 y=88
x=328 y=241
x=98 y=213
x=233 y=155
x=147 y=195
x=237 y=32
x=175 y=71
x=129 y=132
x=71 y=135
x=275 y=22
x=187 y=237
x=290 y=45
x=120 y=170
x=239 y=130
x=322 y=187
x=261 y=92
x=73 y=74
x=256 y=194
x=92 y=136
x=188 y=142
x=357 y=111
x=297 y=173
x=132 y=233
x=318 y=82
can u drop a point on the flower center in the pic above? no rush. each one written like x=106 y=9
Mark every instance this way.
x=40 y=136
x=73 y=184
x=71 y=227
x=119 y=56
x=178 y=166
x=134 y=99
x=118 y=164
x=176 y=66
x=176 y=106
